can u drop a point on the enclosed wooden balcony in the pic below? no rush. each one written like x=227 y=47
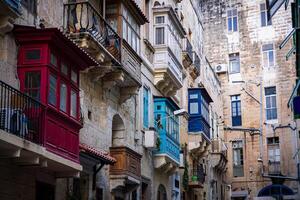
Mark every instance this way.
x=127 y=166
x=23 y=136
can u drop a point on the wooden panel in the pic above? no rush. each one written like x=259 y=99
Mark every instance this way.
x=128 y=162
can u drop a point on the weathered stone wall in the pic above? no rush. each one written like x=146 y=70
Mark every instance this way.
x=219 y=43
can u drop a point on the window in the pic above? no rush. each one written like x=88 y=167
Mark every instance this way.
x=273 y=155
x=63 y=97
x=271 y=108
x=234 y=63
x=131 y=30
x=33 y=84
x=53 y=59
x=74 y=97
x=264 y=16
x=238 y=158
x=64 y=69
x=232 y=20
x=193 y=104
x=146 y=107
x=74 y=76
x=236 y=113
x=160 y=35
x=268 y=55
x=52 y=90
x=34 y=54
x=159 y=30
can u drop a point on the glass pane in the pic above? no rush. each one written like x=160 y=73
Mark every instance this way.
x=63 y=97
x=235 y=67
x=52 y=90
x=194 y=108
x=129 y=36
x=53 y=59
x=267 y=47
x=273 y=101
x=265 y=59
x=235 y=24
x=271 y=58
x=263 y=18
x=229 y=24
x=268 y=102
x=160 y=20
x=124 y=29
x=73 y=104
x=34 y=54
x=32 y=84
x=193 y=96
x=74 y=76
x=159 y=35
x=64 y=69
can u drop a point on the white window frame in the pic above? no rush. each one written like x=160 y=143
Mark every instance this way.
x=236 y=55
x=231 y=18
x=272 y=107
x=268 y=56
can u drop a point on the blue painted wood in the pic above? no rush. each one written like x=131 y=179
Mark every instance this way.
x=14 y=4
x=167 y=126
x=199 y=121
x=146 y=107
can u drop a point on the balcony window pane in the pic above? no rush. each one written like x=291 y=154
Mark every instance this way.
x=160 y=35
x=64 y=69
x=194 y=108
x=53 y=59
x=63 y=97
x=160 y=20
x=74 y=76
x=234 y=63
x=34 y=54
x=33 y=84
x=73 y=103
x=52 y=90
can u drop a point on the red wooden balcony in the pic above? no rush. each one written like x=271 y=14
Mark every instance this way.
x=48 y=67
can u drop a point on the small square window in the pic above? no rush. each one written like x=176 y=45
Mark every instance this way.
x=160 y=20
x=34 y=54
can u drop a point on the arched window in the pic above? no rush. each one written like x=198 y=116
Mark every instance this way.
x=161 y=193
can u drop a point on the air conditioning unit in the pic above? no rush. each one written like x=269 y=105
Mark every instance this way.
x=13 y=121
x=221 y=68
x=150 y=139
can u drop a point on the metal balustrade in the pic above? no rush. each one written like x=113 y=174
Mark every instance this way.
x=82 y=17
x=196 y=61
x=20 y=114
x=188 y=48
x=197 y=174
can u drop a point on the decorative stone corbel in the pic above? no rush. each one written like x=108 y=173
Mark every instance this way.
x=127 y=92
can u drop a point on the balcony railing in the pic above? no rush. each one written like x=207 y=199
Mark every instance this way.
x=274 y=168
x=169 y=146
x=197 y=175
x=20 y=114
x=188 y=48
x=82 y=17
x=196 y=62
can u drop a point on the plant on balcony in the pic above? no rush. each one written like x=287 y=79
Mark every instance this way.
x=194 y=178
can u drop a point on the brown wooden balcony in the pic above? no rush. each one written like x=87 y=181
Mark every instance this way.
x=128 y=163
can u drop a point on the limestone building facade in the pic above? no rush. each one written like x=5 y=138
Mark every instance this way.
x=256 y=78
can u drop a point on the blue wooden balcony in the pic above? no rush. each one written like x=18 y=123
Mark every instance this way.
x=13 y=4
x=199 y=101
x=167 y=126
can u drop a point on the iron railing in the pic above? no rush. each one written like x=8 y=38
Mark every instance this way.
x=274 y=168
x=188 y=48
x=197 y=174
x=80 y=17
x=20 y=114
x=196 y=62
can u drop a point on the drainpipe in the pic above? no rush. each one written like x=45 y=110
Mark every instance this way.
x=260 y=159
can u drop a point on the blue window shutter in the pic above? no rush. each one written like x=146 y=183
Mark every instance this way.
x=146 y=107
x=236 y=114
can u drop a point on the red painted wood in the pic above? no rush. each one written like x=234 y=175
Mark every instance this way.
x=60 y=130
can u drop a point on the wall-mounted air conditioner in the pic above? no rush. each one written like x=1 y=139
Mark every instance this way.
x=221 y=68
